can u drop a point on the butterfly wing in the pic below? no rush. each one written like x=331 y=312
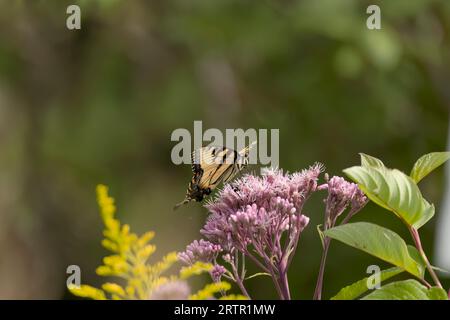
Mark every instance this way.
x=212 y=165
x=217 y=165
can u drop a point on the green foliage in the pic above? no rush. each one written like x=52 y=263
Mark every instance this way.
x=428 y=163
x=370 y=162
x=358 y=288
x=407 y=290
x=394 y=191
x=379 y=242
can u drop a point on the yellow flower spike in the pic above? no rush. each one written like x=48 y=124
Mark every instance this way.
x=108 y=244
x=86 y=291
x=146 y=252
x=133 y=237
x=145 y=238
x=114 y=260
x=134 y=282
x=129 y=262
x=108 y=234
x=102 y=192
x=104 y=271
x=113 y=288
x=171 y=257
x=209 y=290
x=108 y=209
x=139 y=270
x=112 y=226
x=233 y=297
x=137 y=284
x=122 y=268
x=130 y=290
x=158 y=282
x=196 y=269
x=125 y=230
x=106 y=203
x=166 y=262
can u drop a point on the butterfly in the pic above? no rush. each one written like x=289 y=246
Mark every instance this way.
x=211 y=166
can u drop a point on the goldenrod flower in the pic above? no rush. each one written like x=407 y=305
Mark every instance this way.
x=129 y=262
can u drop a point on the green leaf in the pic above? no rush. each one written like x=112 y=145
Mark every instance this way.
x=394 y=191
x=414 y=253
x=319 y=230
x=436 y=293
x=379 y=242
x=356 y=289
x=257 y=275
x=407 y=290
x=369 y=161
x=428 y=163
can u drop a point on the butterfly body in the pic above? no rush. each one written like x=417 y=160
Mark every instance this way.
x=211 y=166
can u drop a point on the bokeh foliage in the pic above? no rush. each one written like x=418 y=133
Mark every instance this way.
x=98 y=105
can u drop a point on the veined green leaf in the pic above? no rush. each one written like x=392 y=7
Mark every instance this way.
x=356 y=289
x=407 y=290
x=379 y=242
x=369 y=161
x=394 y=191
x=428 y=163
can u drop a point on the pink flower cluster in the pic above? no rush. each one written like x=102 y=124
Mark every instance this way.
x=257 y=211
x=200 y=251
x=341 y=195
x=261 y=218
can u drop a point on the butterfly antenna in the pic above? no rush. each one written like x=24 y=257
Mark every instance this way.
x=248 y=148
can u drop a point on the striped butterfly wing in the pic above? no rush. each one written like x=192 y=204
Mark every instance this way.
x=212 y=165
x=218 y=164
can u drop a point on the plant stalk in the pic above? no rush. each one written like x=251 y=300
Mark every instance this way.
x=243 y=290
x=418 y=243
x=239 y=282
x=319 y=284
x=284 y=283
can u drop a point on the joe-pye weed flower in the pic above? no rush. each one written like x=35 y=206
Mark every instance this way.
x=260 y=218
x=341 y=195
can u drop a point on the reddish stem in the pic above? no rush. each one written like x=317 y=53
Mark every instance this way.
x=418 y=243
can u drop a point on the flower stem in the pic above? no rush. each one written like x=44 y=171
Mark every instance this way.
x=319 y=283
x=239 y=280
x=276 y=283
x=418 y=243
x=284 y=285
x=241 y=286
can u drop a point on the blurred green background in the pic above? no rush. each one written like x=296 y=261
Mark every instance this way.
x=98 y=105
